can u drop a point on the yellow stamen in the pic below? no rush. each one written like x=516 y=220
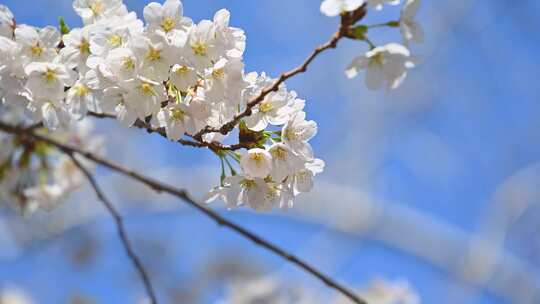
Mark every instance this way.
x=128 y=63
x=153 y=54
x=247 y=184
x=199 y=48
x=81 y=90
x=84 y=47
x=36 y=50
x=115 y=40
x=279 y=153
x=218 y=73
x=266 y=107
x=272 y=193
x=147 y=89
x=177 y=114
x=182 y=70
x=168 y=24
x=377 y=59
x=291 y=134
x=257 y=157
x=97 y=8
x=49 y=75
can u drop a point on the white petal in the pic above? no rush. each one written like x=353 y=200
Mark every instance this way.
x=331 y=8
x=153 y=13
x=50 y=117
x=357 y=64
x=172 y=8
x=26 y=35
x=49 y=36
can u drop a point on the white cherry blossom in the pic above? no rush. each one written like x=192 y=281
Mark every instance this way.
x=201 y=45
x=37 y=46
x=156 y=57
x=284 y=161
x=241 y=189
x=385 y=66
x=120 y=65
x=256 y=163
x=7 y=22
x=77 y=48
x=94 y=10
x=335 y=7
x=379 y=4
x=275 y=109
x=297 y=132
x=229 y=38
x=176 y=120
x=167 y=20
x=80 y=98
x=144 y=97
x=411 y=30
x=47 y=80
x=103 y=39
x=183 y=76
x=224 y=81
x=302 y=180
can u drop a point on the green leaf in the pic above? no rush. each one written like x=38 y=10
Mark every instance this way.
x=359 y=32
x=64 y=29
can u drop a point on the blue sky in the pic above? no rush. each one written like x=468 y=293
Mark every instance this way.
x=456 y=146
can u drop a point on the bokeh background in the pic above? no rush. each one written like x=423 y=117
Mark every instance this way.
x=436 y=183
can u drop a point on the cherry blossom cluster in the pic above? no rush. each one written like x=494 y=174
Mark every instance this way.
x=170 y=73
x=386 y=65
x=186 y=80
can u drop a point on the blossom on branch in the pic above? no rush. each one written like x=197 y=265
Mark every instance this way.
x=186 y=81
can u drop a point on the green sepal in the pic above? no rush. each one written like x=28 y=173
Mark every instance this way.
x=64 y=29
x=251 y=138
x=359 y=32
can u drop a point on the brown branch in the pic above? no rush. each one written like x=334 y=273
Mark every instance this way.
x=183 y=195
x=135 y=260
x=214 y=146
x=347 y=20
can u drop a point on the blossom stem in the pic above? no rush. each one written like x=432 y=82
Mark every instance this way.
x=222 y=177
x=233 y=172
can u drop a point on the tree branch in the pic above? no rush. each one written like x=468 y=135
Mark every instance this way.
x=135 y=260
x=214 y=146
x=183 y=195
x=347 y=20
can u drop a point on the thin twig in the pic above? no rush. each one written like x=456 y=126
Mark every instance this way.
x=135 y=260
x=183 y=195
x=347 y=20
x=214 y=146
